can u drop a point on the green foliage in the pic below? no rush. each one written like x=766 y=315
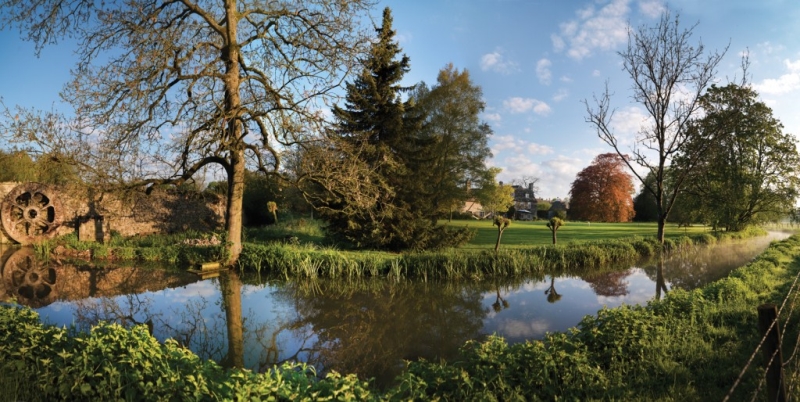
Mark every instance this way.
x=45 y=168
x=749 y=172
x=453 y=141
x=113 y=363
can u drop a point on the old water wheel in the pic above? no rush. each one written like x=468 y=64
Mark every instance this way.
x=30 y=281
x=31 y=212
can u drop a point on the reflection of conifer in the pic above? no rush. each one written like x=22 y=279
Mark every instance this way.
x=552 y=295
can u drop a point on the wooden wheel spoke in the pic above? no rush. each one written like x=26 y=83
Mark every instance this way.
x=31 y=212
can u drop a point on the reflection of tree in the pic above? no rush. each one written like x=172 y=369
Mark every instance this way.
x=660 y=283
x=500 y=303
x=611 y=283
x=231 y=289
x=369 y=330
x=694 y=267
x=552 y=295
x=128 y=310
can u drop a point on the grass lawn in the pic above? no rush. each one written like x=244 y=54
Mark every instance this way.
x=524 y=233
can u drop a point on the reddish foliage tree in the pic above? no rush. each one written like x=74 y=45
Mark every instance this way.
x=602 y=191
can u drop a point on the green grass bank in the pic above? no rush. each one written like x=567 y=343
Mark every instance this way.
x=297 y=250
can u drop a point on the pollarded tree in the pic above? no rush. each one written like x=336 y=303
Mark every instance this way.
x=669 y=75
x=169 y=87
x=602 y=191
x=750 y=172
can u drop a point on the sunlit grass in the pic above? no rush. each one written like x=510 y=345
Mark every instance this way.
x=523 y=234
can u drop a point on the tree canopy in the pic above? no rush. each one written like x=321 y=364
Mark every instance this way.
x=397 y=147
x=453 y=139
x=602 y=191
x=163 y=89
x=750 y=170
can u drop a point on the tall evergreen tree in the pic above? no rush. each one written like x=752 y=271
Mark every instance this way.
x=382 y=132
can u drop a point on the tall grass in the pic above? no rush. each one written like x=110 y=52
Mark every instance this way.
x=283 y=260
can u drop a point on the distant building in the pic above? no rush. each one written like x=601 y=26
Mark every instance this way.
x=555 y=206
x=475 y=208
x=524 y=202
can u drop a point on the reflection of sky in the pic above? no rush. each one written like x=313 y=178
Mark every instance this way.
x=530 y=315
x=266 y=315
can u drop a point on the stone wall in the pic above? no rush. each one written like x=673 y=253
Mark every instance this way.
x=94 y=216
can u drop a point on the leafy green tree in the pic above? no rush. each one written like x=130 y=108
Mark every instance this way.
x=171 y=87
x=45 y=168
x=542 y=207
x=494 y=197
x=750 y=172
x=669 y=75
x=454 y=141
x=17 y=166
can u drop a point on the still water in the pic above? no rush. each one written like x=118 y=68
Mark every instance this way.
x=367 y=327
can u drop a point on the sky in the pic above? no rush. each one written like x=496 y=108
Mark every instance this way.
x=536 y=62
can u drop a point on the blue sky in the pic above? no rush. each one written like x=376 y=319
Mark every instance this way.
x=536 y=61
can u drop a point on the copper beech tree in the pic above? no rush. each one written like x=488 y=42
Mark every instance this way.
x=602 y=191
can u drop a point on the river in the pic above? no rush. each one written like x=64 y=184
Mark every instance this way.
x=367 y=327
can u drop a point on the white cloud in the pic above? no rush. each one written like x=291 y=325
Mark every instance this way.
x=494 y=117
x=651 y=8
x=565 y=78
x=496 y=62
x=595 y=73
x=593 y=29
x=555 y=174
x=538 y=149
x=785 y=83
x=503 y=142
x=404 y=38
x=769 y=48
x=524 y=105
x=543 y=71
x=627 y=123
x=560 y=95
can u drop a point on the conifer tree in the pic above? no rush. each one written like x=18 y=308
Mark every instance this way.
x=382 y=131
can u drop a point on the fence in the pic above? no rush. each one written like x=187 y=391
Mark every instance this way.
x=779 y=387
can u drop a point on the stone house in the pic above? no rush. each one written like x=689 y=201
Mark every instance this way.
x=524 y=202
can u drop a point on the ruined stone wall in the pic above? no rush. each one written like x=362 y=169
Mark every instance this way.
x=95 y=216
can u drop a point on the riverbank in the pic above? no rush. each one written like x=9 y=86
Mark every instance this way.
x=689 y=346
x=295 y=251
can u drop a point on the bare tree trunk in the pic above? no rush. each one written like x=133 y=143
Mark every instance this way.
x=231 y=288
x=662 y=223
x=233 y=212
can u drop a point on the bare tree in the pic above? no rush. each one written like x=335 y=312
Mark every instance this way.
x=168 y=87
x=669 y=75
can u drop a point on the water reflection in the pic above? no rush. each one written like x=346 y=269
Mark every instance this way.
x=36 y=283
x=368 y=327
